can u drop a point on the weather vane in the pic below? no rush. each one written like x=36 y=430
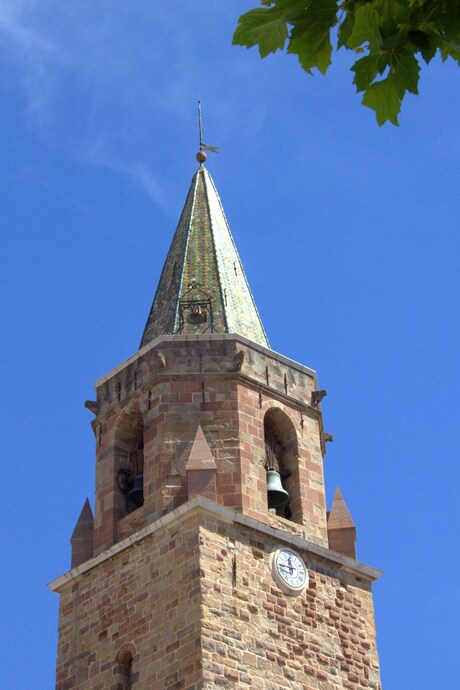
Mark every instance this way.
x=201 y=156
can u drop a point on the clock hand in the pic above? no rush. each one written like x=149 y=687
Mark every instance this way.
x=286 y=567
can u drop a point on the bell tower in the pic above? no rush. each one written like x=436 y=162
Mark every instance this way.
x=211 y=560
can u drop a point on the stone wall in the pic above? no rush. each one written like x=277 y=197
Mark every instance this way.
x=255 y=636
x=146 y=597
x=226 y=385
x=194 y=599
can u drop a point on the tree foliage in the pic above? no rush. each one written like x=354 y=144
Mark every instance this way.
x=390 y=36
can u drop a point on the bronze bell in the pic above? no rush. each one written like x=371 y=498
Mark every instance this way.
x=136 y=494
x=277 y=494
x=196 y=315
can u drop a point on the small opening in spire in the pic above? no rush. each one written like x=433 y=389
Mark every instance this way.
x=195 y=310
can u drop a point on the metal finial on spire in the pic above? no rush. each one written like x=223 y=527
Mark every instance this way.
x=201 y=156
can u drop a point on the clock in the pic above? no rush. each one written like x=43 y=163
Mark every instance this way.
x=289 y=571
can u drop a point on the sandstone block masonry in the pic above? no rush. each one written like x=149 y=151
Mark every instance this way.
x=153 y=404
x=193 y=598
x=255 y=636
x=145 y=597
x=178 y=593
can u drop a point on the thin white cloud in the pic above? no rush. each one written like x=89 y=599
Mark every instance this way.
x=32 y=54
x=146 y=179
x=97 y=153
x=96 y=82
x=28 y=40
x=80 y=60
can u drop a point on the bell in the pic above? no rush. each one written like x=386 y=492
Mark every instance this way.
x=196 y=315
x=277 y=494
x=136 y=494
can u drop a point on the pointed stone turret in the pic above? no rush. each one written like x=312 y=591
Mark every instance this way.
x=201 y=469
x=82 y=538
x=340 y=527
x=203 y=288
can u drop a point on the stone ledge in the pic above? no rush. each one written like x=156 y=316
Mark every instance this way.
x=155 y=344
x=200 y=504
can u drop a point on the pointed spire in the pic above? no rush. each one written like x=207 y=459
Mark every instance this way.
x=201 y=469
x=203 y=288
x=82 y=538
x=340 y=527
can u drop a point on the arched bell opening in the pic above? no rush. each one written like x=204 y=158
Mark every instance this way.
x=281 y=463
x=129 y=462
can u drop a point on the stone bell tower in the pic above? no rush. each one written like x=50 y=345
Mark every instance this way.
x=211 y=560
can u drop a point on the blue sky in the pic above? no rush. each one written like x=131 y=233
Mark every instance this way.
x=349 y=237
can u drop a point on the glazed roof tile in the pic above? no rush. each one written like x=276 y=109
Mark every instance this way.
x=203 y=266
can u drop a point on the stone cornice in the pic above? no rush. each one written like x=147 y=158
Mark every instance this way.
x=202 y=505
x=155 y=344
x=268 y=391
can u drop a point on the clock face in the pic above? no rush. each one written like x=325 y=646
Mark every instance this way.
x=289 y=571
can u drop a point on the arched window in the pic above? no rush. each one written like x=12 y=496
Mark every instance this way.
x=129 y=460
x=281 y=452
x=123 y=671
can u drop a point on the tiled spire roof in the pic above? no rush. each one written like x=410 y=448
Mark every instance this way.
x=203 y=267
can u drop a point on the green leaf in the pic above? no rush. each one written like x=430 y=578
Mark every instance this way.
x=263 y=27
x=395 y=41
x=394 y=36
x=406 y=72
x=395 y=11
x=452 y=25
x=365 y=27
x=310 y=39
x=383 y=97
x=384 y=61
x=365 y=69
x=312 y=49
x=345 y=29
x=445 y=51
x=429 y=52
x=292 y=10
x=419 y=39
